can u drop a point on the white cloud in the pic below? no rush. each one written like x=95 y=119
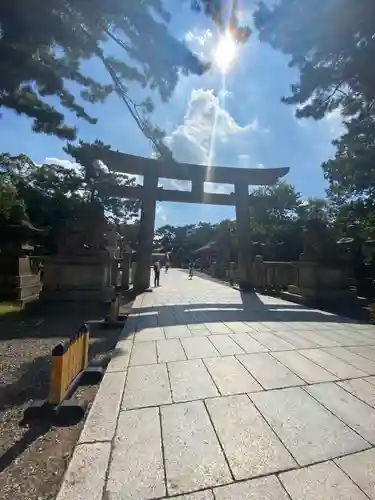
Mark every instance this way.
x=334 y=121
x=161 y=215
x=62 y=163
x=210 y=135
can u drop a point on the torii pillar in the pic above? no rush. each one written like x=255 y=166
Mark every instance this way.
x=241 y=193
x=146 y=232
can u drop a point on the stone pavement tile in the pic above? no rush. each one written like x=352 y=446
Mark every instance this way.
x=177 y=332
x=120 y=356
x=201 y=495
x=247 y=343
x=272 y=341
x=250 y=445
x=217 y=328
x=143 y=353
x=366 y=352
x=371 y=380
x=303 y=367
x=170 y=350
x=230 y=376
x=199 y=347
x=200 y=332
x=361 y=389
x=146 y=386
x=309 y=431
x=190 y=380
x=269 y=372
x=265 y=488
x=295 y=339
x=257 y=327
x=136 y=470
x=225 y=345
x=348 y=338
x=101 y=421
x=85 y=476
x=238 y=326
x=156 y=333
x=358 y=415
x=360 y=467
x=318 y=338
x=320 y=482
x=193 y=457
x=364 y=364
x=336 y=366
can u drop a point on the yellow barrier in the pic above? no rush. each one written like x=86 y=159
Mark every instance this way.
x=372 y=312
x=69 y=361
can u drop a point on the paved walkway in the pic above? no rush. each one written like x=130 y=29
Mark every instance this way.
x=217 y=395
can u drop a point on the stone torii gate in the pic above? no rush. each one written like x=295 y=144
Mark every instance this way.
x=150 y=193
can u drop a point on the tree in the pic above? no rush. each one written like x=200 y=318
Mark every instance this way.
x=331 y=43
x=43 y=47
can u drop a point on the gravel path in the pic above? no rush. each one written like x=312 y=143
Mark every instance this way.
x=33 y=460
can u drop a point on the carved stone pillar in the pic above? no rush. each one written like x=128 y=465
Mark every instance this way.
x=146 y=232
x=243 y=236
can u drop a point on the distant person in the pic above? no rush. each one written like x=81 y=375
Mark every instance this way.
x=157 y=273
x=191 y=270
x=166 y=266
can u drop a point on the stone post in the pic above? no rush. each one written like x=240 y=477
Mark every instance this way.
x=125 y=268
x=241 y=192
x=146 y=232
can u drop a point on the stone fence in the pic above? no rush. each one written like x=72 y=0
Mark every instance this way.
x=273 y=276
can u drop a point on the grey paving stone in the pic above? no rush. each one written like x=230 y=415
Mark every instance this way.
x=272 y=341
x=257 y=327
x=364 y=364
x=320 y=482
x=303 y=367
x=85 y=477
x=136 y=470
x=269 y=372
x=250 y=445
x=361 y=389
x=297 y=340
x=247 y=343
x=143 y=353
x=230 y=376
x=360 y=467
x=371 y=380
x=190 y=380
x=309 y=431
x=201 y=495
x=238 y=326
x=318 y=338
x=332 y=364
x=225 y=345
x=101 y=421
x=358 y=415
x=265 y=488
x=196 y=326
x=217 y=328
x=170 y=350
x=146 y=386
x=177 y=332
x=199 y=347
x=366 y=352
x=146 y=334
x=193 y=458
x=120 y=357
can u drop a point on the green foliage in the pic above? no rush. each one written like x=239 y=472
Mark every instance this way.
x=50 y=193
x=44 y=45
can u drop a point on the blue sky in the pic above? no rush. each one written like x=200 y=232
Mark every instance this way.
x=254 y=129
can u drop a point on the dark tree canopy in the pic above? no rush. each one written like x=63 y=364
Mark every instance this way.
x=332 y=44
x=44 y=43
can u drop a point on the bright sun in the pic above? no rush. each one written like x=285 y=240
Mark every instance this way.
x=225 y=52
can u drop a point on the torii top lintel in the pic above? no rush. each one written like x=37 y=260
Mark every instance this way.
x=137 y=165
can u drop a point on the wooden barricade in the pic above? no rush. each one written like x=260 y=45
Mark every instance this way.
x=69 y=361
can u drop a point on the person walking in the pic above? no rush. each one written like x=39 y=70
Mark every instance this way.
x=191 y=270
x=166 y=266
x=156 y=273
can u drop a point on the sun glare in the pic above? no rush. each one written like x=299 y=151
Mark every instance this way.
x=225 y=53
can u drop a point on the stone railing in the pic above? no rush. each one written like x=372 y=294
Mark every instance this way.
x=273 y=276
